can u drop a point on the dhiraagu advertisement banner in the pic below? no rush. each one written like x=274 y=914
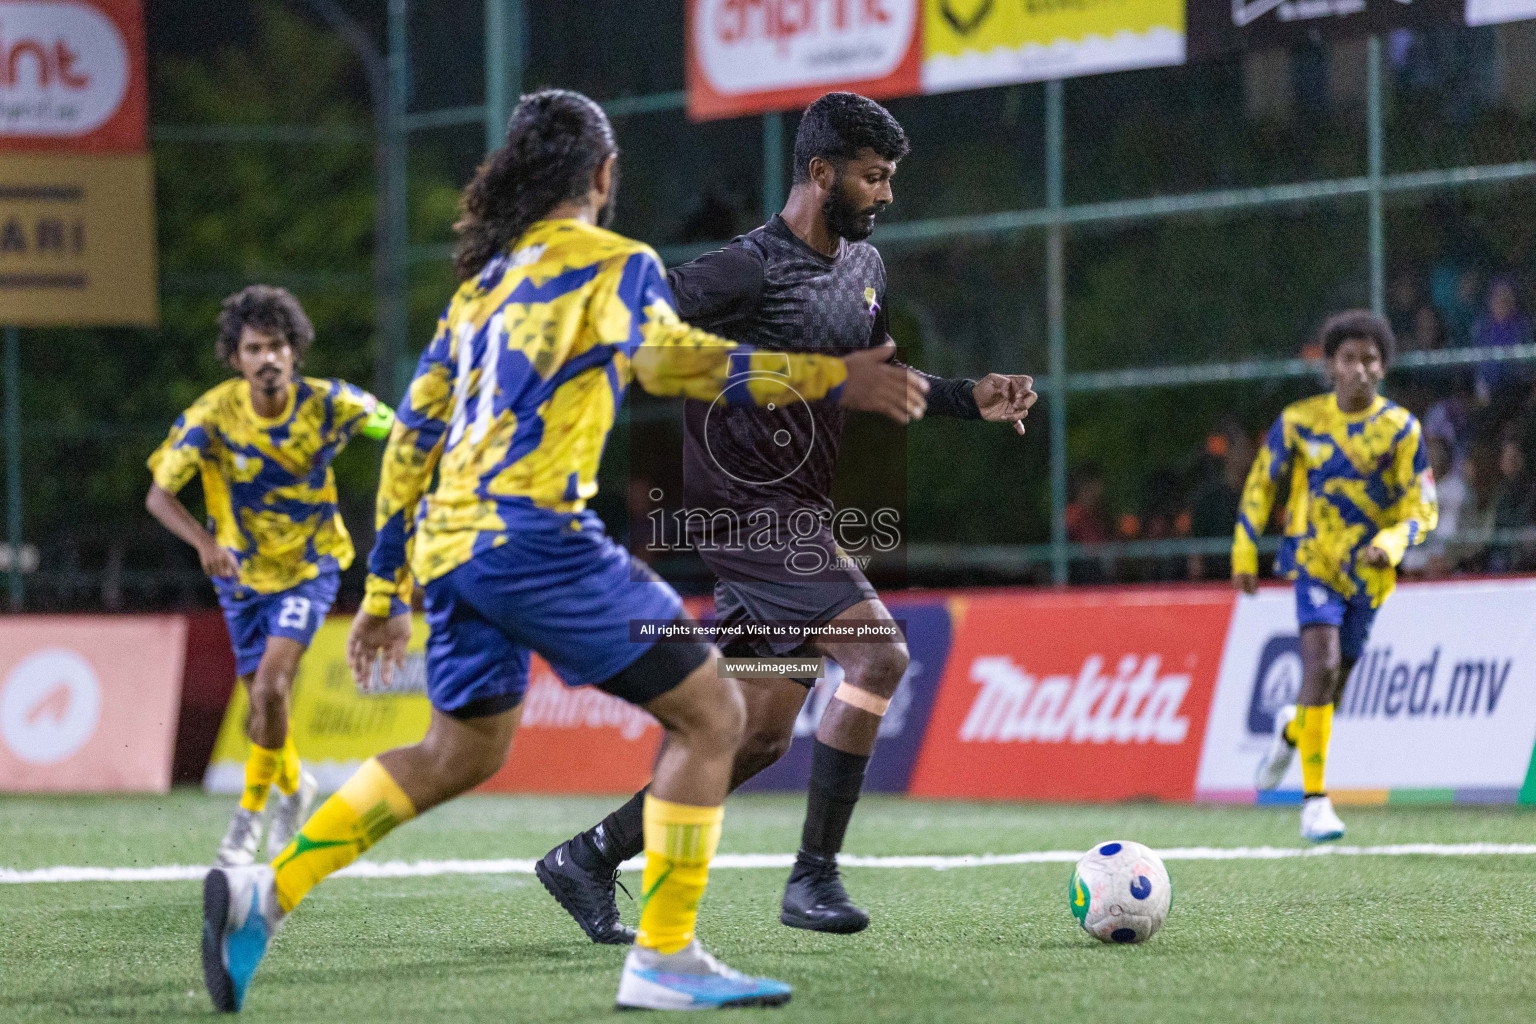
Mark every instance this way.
x=970 y=44
x=335 y=727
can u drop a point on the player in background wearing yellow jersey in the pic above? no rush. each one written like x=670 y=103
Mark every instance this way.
x=263 y=444
x=1361 y=494
x=510 y=408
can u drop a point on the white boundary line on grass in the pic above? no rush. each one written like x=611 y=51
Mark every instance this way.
x=738 y=861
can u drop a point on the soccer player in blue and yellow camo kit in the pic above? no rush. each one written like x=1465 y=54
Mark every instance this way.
x=1361 y=493
x=263 y=444
x=509 y=410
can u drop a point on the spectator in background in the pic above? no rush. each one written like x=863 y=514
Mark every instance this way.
x=1426 y=332
x=1088 y=522
x=1436 y=557
x=1452 y=420
x=1167 y=517
x=1219 y=490
x=1403 y=304
x=1502 y=326
x=1454 y=291
x=1512 y=506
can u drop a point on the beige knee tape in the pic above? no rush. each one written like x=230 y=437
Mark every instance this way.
x=862 y=699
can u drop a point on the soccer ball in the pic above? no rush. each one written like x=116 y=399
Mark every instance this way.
x=1120 y=892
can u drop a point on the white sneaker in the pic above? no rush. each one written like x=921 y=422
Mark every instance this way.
x=290 y=814
x=240 y=916
x=238 y=848
x=691 y=979
x=1277 y=759
x=1318 y=821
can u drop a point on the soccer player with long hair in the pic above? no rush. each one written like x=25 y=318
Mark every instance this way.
x=807 y=281
x=275 y=547
x=1361 y=494
x=509 y=411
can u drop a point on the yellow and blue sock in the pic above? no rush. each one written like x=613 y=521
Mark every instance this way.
x=680 y=841
x=1312 y=729
x=357 y=815
x=261 y=767
x=288 y=772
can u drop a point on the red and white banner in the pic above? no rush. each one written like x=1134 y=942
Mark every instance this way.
x=751 y=56
x=73 y=76
x=577 y=740
x=1075 y=696
x=89 y=703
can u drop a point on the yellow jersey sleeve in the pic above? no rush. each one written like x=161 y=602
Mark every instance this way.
x=1258 y=500
x=189 y=443
x=410 y=456
x=633 y=309
x=1418 y=510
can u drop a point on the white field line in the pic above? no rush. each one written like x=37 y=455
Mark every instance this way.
x=430 y=868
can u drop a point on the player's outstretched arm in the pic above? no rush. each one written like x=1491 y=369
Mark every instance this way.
x=997 y=397
x=1258 y=499
x=634 y=310
x=1005 y=398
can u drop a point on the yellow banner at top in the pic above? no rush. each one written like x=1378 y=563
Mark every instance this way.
x=970 y=44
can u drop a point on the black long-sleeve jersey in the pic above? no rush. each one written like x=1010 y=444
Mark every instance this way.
x=770 y=290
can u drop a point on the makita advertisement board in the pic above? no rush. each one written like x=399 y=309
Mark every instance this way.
x=1081 y=695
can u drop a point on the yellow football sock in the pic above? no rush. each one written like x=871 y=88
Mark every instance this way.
x=261 y=767
x=1314 y=725
x=356 y=816
x=680 y=841
x=288 y=771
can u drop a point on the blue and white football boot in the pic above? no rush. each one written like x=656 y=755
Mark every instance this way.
x=1319 y=822
x=691 y=979
x=240 y=917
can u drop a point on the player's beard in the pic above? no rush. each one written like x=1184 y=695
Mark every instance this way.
x=845 y=218
x=270 y=379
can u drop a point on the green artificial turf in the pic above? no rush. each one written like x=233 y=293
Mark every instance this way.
x=1318 y=939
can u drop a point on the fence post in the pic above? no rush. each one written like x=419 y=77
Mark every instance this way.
x=395 y=363
x=1055 y=312
x=13 y=460
x=504 y=48
x=1373 y=116
x=773 y=164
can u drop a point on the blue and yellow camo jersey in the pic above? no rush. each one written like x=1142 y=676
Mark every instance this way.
x=268 y=483
x=1356 y=479
x=514 y=397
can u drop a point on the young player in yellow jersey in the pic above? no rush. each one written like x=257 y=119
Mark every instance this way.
x=510 y=409
x=263 y=444
x=1361 y=494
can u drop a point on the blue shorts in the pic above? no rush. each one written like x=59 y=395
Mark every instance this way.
x=1319 y=604
x=295 y=613
x=568 y=594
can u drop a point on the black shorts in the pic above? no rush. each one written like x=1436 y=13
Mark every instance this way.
x=811 y=602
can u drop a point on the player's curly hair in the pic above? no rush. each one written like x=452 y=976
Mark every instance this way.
x=556 y=140
x=1358 y=323
x=840 y=124
x=266 y=308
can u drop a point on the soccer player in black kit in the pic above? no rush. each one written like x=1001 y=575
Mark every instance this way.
x=805 y=281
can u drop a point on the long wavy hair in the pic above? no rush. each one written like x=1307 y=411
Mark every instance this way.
x=556 y=140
